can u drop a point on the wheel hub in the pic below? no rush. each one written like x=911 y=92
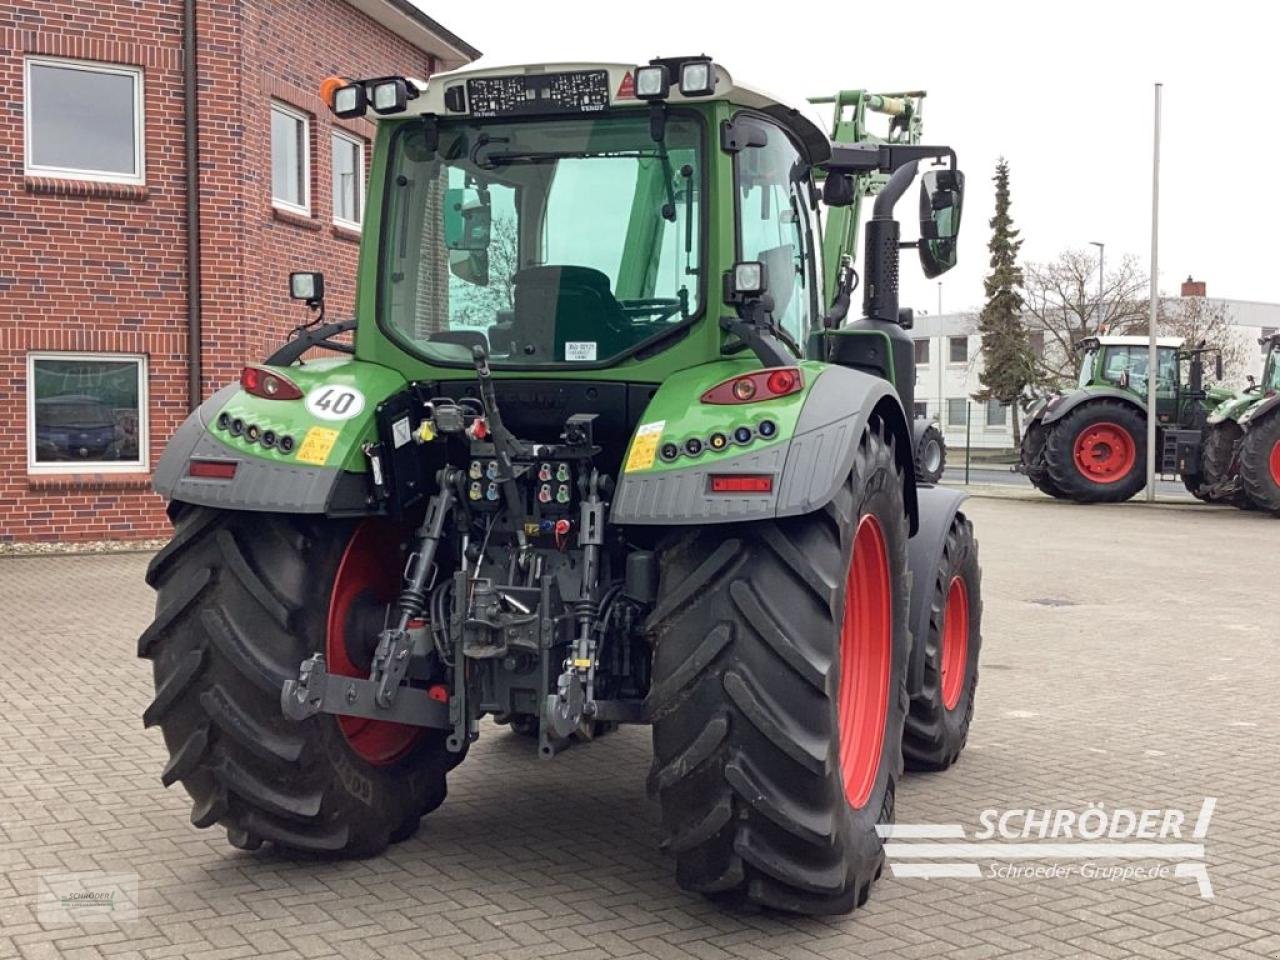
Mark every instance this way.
x=955 y=642
x=1104 y=452
x=364 y=581
x=866 y=654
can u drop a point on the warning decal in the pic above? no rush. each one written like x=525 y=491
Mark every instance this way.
x=644 y=448
x=316 y=445
x=626 y=89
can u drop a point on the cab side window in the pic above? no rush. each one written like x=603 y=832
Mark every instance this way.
x=773 y=222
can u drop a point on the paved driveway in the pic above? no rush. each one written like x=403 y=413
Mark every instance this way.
x=1118 y=670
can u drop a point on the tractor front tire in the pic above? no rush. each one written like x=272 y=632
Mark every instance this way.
x=1221 y=465
x=1032 y=454
x=1097 y=453
x=931 y=455
x=242 y=600
x=941 y=711
x=1260 y=464
x=779 y=695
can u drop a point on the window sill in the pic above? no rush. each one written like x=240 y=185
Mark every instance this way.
x=295 y=219
x=342 y=232
x=55 y=187
x=140 y=480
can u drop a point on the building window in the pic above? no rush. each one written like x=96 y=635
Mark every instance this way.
x=920 y=409
x=922 y=351
x=997 y=413
x=86 y=412
x=959 y=349
x=957 y=412
x=83 y=121
x=348 y=180
x=1267 y=334
x=290 y=159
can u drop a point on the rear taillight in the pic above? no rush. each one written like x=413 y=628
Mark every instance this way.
x=212 y=469
x=758 y=385
x=268 y=384
x=741 y=483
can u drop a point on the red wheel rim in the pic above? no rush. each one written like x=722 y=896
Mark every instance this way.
x=1105 y=452
x=1275 y=463
x=955 y=642
x=364 y=569
x=866 y=639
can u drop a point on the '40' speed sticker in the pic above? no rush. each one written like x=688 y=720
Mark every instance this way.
x=335 y=402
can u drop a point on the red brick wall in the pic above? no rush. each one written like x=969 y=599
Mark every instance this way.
x=92 y=267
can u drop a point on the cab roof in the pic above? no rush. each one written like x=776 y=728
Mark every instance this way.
x=803 y=121
x=1129 y=341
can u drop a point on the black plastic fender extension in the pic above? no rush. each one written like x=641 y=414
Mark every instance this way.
x=810 y=465
x=938 y=507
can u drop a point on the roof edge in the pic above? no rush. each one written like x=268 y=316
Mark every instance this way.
x=407 y=21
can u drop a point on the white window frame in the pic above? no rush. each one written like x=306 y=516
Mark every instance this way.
x=141 y=465
x=139 y=177
x=296 y=114
x=358 y=143
x=950 y=341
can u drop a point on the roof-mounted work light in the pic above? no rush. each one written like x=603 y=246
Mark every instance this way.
x=350 y=101
x=697 y=78
x=652 y=82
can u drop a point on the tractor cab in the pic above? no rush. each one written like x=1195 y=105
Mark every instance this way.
x=1123 y=362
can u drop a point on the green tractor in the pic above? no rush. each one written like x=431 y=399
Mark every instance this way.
x=1090 y=445
x=606 y=449
x=1242 y=445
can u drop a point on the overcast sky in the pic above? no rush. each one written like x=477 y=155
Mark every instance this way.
x=1064 y=91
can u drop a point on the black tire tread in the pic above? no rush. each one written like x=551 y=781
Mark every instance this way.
x=218 y=680
x=1221 y=467
x=933 y=738
x=1255 y=463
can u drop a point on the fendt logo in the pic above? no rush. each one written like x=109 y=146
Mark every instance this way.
x=1053 y=844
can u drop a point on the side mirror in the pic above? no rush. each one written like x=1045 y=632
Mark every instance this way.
x=470 y=266
x=307 y=286
x=467 y=219
x=941 y=201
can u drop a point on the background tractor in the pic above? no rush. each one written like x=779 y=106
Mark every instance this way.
x=606 y=449
x=1090 y=445
x=1242 y=446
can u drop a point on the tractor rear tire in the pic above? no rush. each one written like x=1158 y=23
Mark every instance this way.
x=1221 y=464
x=242 y=600
x=779 y=695
x=1260 y=464
x=941 y=711
x=1097 y=453
x=931 y=455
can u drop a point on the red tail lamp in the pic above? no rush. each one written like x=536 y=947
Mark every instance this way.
x=742 y=483
x=268 y=384
x=768 y=384
x=212 y=469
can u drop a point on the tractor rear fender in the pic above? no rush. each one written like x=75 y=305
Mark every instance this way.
x=1254 y=415
x=806 y=463
x=1059 y=408
x=938 y=506
x=918 y=427
x=323 y=471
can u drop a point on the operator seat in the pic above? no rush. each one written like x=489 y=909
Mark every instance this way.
x=565 y=304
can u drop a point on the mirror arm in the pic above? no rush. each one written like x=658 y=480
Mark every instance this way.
x=869 y=157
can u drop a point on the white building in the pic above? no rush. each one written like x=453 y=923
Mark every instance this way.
x=949 y=360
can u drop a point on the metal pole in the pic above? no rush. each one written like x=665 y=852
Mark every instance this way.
x=968 y=434
x=1152 y=355
x=939 y=298
x=191 y=154
x=1102 y=262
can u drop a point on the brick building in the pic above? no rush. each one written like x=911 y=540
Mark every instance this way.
x=96 y=314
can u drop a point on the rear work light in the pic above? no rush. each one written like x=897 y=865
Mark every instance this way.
x=212 y=469
x=268 y=384
x=742 y=483
x=758 y=385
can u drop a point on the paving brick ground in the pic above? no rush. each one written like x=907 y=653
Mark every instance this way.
x=1118 y=669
